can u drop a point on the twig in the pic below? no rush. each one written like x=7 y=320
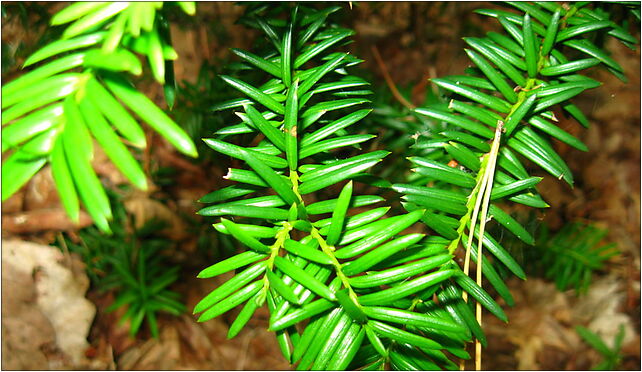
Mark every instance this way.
x=391 y=84
x=482 y=200
x=66 y=253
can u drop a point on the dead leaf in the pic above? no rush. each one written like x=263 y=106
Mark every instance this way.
x=25 y=330
x=42 y=220
x=59 y=295
x=105 y=167
x=145 y=209
x=601 y=310
x=14 y=203
x=40 y=192
x=542 y=327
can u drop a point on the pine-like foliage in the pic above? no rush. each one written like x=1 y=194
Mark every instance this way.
x=142 y=277
x=612 y=357
x=573 y=254
x=132 y=264
x=53 y=113
x=349 y=290
x=522 y=80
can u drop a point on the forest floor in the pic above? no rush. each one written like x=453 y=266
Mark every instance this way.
x=416 y=41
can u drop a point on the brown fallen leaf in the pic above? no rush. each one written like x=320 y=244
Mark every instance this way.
x=107 y=326
x=14 y=203
x=58 y=294
x=601 y=310
x=541 y=327
x=105 y=167
x=197 y=340
x=25 y=329
x=42 y=220
x=144 y=209
x=40 y=192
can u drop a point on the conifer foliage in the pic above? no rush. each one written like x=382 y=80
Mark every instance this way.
x=344 y=291
x=348 y=284
x=80 y=91
x=352 y=290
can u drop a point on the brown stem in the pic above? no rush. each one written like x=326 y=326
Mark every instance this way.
x=391 y=84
